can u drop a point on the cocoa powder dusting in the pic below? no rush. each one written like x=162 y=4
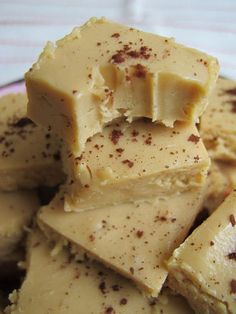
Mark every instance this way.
x=115 y=136
x=194 y=138
x=140 y=71
x=115 y=35
x=128 y=162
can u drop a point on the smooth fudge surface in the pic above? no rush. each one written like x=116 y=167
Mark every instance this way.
x=79 y=287
x=134 y=239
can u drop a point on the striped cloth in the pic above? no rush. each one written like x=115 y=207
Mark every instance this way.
x=26 y=25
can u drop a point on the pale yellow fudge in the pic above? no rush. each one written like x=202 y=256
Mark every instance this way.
x=29 y=155
x=134 y=239
x=60 y=285
x=135 y=161
x=104 y=70
x=16 y=210
x=203 y=268
x=218 y=123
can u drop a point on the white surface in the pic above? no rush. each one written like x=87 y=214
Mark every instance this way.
x=26 y=25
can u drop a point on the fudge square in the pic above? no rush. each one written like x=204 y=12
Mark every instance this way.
x=130 y=162
x=203 y=268
x=134 y=239
x=79 y=287
x=104 y=70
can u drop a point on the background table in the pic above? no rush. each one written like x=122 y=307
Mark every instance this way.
x=26 y=25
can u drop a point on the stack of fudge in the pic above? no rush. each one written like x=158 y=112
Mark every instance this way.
x=138 y=136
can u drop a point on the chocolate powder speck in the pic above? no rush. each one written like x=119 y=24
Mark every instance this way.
x=232 y=220
x=139 y=233
x=123 y=301
x=233 y=286
x=22 y=123
x=115 y=35
x=128 y=162
x=120 y=150
x=119 y=57
x=115 y=287
x=115 y=136
x=140 y=71
x=194 y=138
x=232 y=256
x=102 y=287
x=135 y=133
x=133 y=54
x=91 y=237
x=109 y=310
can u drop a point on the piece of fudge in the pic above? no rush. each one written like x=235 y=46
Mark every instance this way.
x=29 y=155
x=104 y=70
x=218 y=123
x=16 y=210
x=61 y=285
x=135 y=161
x=134 y=239
x=203 y=268
x=218 y=185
